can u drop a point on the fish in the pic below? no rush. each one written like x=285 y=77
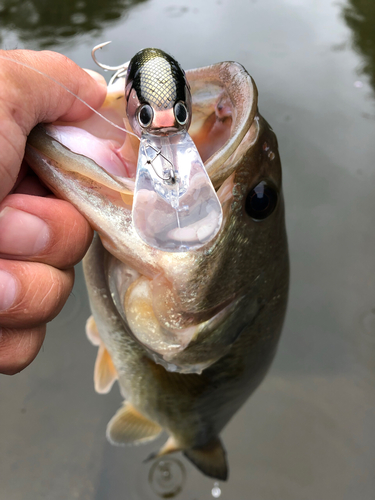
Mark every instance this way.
x=188 y=335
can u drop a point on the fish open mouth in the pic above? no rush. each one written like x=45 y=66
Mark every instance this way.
x=94 y=166
x=224 y=100
x=174 y=205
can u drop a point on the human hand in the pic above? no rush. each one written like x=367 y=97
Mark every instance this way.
x=41 y=237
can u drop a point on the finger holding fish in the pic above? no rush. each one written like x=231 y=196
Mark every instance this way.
x=31 y=294
x=44 y=230
x=41 y=238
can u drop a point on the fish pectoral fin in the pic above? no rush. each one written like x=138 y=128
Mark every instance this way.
x=128 y=426
x=210 y=459
x=105 y=373
x=92 y=331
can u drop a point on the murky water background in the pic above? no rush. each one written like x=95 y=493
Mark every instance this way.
x=309 y=430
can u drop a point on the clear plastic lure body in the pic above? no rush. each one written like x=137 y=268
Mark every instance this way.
x=175 y=206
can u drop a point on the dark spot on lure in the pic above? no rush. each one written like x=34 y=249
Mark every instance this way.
x=145 y=115
x=181 y=113
x=261 y=201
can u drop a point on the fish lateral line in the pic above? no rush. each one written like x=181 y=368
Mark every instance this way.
x=28 y=66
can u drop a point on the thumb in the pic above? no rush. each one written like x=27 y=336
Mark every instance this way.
x=28 y=97
x=30 y=84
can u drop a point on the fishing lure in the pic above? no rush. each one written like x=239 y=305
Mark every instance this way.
x=175 y=205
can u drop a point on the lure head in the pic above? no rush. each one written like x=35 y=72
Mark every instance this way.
x=157 y=94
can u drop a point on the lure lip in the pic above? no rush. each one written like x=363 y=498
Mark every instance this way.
x=175 y=208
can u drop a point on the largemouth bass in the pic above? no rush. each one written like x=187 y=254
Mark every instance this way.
x=189 y=335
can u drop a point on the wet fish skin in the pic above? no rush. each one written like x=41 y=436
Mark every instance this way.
x=242 y=275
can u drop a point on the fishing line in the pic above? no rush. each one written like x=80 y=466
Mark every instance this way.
x=70 y=92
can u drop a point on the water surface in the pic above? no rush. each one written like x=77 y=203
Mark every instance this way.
x=309 y=431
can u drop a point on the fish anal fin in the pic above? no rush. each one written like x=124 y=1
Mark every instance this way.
x=170 y=446
x=105 y=373
x=92 y=331
x=128 y=426
x=210 y=459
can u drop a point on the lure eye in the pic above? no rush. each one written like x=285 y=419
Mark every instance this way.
x=261 y=201
x=180 y=112
x=145 y=115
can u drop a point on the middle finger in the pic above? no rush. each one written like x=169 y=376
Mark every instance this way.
x=42 y=229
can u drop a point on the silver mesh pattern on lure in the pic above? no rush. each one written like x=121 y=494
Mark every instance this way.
x=157 y=78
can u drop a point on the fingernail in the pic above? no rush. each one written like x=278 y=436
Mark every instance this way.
x=97 y=77
x=8 y=290
x=22 y=233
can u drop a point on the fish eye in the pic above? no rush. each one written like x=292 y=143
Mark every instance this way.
x=180 y=112
x=145 y=115
x=261 y=201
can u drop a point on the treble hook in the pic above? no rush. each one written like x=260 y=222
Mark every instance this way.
x=171 y=179
x=105 y=66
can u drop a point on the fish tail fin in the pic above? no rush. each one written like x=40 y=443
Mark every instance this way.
x=210 y=459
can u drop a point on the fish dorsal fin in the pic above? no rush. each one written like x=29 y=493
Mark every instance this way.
x=128 y=426
x=210 y=459
x=105 y=373
x=92 y=331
